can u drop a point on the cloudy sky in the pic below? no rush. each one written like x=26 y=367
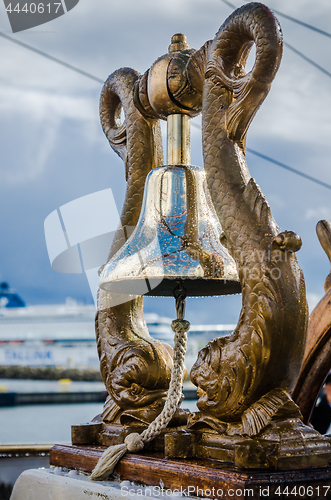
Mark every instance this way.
x=53 y=149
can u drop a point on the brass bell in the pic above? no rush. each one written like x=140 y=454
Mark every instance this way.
x=177 y=238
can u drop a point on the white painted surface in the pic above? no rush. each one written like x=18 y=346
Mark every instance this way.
x=53 y=484
x=57 y=484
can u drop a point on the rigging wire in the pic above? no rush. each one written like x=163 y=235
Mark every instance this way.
x=280 y=164
x=287 y=167
x=99 y=80
x=229 y=4
x=307 y=59
x=293 y=19
x=297 y=52
x=309 y=26
x=52 y=58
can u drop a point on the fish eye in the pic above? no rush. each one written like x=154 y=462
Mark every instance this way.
x=135 y=389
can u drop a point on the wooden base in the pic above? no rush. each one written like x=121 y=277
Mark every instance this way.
x=284 y=445
x=201 y=477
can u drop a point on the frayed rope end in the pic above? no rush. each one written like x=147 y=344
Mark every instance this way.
x=108 y=461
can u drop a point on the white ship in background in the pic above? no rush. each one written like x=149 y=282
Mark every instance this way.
x=63 y=335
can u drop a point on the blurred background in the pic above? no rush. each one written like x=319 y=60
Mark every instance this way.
x=53 y=151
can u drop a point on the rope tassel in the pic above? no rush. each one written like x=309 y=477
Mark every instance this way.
x=135 y=442
x=107 y=462
x=113 y=454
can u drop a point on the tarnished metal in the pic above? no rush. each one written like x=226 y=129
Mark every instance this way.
x=135 y=368
x=173 y=84
x=158 y=94
x=178 y=140
x=235 y=375
x=178 y=43
x=323 y=230
x=317 y=359
x=244 y=381
x=120 y=326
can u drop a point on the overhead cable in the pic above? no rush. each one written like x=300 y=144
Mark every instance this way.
x=293 y=19
x=287 y=167
x=280 y=164
x=99 y=80
x=229 y=4
x=297 y=52
x=54 y=59
x=326 y=72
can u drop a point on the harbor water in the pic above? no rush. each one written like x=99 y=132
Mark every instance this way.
x=36 y=424
x=48 y=423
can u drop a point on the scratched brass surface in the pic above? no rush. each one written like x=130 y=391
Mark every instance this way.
x=177 y=237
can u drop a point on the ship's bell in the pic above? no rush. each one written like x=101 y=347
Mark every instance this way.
x=177 y=238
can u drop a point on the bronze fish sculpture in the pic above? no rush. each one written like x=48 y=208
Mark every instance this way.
x=245 y=378
x=136 y=369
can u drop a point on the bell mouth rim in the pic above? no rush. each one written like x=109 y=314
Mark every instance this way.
x=164 y=287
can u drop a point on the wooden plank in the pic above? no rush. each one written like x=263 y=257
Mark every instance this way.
x=152 y=469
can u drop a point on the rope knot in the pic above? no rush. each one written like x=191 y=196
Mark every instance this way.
x=180 y=326
x=134 y=442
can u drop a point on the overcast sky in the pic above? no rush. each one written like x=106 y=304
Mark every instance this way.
x=53 y=149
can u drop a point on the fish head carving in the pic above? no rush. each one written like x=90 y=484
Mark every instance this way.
x=205 y=375
x=140 y=375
